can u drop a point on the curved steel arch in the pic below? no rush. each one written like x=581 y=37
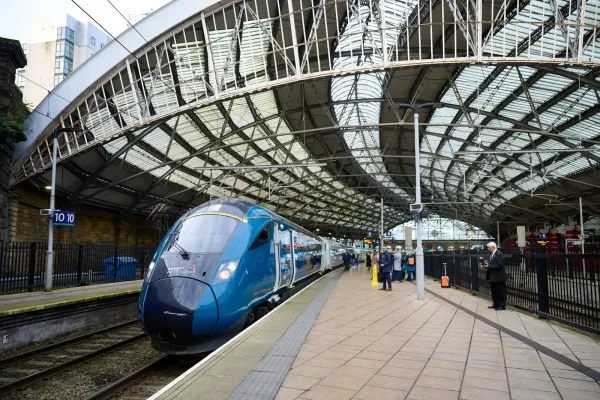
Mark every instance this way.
x=224 y=84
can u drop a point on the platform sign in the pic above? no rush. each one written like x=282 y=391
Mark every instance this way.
x=63 y=218
x=369 y=234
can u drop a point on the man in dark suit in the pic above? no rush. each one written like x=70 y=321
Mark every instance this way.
x=386 y=263
x=496 y=274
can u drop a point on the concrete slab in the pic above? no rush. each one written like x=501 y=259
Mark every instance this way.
x=25 y=302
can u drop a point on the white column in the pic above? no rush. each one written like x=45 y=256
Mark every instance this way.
x=420 y=260
x=582 y=238
x=50 y=252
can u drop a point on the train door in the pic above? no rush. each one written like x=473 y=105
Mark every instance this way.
x=276 y=251
x=285 y=257
x=326 y=260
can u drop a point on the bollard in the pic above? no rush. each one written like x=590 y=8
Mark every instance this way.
x=374 y=281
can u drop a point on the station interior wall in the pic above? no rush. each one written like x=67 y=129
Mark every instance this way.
x=92 y=225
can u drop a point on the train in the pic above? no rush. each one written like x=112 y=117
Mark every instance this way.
x=222 y=266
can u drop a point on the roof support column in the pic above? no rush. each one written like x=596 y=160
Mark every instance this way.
x=294 y=38
x=209 y=53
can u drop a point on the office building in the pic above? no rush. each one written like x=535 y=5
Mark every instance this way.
x=54 y=48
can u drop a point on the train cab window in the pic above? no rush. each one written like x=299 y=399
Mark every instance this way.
x=262 y=238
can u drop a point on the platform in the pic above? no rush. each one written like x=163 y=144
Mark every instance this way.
x=11 y=304
x=341 y=338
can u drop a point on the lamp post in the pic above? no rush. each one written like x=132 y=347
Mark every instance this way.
x=50 y=252
x=418 y=206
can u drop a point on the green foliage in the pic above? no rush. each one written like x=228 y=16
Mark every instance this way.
x=11 y=129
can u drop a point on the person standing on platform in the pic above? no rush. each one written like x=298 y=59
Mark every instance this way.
x=397 y=277
x=386 y=263
x=410 y=265
x=368 y=261
x=347 y=259
x=375 y=262
x=496 y=274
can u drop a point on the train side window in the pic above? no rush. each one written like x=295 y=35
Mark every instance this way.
x=262 y=238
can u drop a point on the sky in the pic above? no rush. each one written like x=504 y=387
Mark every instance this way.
x=18 y=16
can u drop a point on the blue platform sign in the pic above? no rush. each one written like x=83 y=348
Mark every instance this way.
x=63 y=218
x=369 y=234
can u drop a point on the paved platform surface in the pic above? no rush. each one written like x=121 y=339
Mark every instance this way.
x=370 y=344
x=24 y=302
x=343 y=339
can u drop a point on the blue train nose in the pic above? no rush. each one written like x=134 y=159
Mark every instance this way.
x=177 y=309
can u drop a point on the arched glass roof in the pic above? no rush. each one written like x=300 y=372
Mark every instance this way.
x=308 y=85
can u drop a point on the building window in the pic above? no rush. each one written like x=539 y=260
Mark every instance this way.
x=93 y=40
x=63 y=66
x=70 y=35
x=68 y=66
x=60 y=48
x=59 y=65
x=65 y=33
x=19 y=77
x=69 y=48
x=58 y=79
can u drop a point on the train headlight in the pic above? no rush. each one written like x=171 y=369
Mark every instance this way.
x=150 y=268
x=226 y=270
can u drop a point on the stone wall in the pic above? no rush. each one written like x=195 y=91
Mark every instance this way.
x=92 y=225
x=11 y=58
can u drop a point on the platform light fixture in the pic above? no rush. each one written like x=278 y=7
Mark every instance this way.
x=255 y=167
x=50 y=251
x=420 y=257
x=522 y=151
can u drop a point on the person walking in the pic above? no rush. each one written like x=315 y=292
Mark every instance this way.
x=496 y=274
x=386 y=263
x=397 y=276
x=368 y=261
x=410 y=265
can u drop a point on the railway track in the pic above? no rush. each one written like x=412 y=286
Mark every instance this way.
x=149 y=379
x=26 y=368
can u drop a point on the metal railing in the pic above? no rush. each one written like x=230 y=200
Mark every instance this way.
x=564 y=287
x=22 y=265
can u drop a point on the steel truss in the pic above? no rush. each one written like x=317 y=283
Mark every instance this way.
x=224 y=88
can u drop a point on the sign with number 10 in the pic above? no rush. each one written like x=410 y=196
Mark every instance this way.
x=63 y=218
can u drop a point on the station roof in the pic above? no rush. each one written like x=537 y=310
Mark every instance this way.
x=309 y=84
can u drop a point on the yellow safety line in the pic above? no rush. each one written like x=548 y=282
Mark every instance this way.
x=216 y=213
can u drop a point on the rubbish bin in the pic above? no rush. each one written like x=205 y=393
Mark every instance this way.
x=126 y=268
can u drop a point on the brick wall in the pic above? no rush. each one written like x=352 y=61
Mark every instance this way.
x=5 y=156
x=92 y=225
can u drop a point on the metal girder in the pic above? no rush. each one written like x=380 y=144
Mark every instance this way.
x=92 y=178
x=547 y=105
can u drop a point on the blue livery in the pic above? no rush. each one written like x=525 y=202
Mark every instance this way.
x=220 y=267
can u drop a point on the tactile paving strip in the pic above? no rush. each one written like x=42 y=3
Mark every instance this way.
x=266 y=378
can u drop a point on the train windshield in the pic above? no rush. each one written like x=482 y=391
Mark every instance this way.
x=202 y=234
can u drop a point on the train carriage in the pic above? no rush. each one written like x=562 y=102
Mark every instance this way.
x=221 y=266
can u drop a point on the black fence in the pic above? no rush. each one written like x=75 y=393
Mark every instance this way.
x=565 y=287
x=23 y=265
